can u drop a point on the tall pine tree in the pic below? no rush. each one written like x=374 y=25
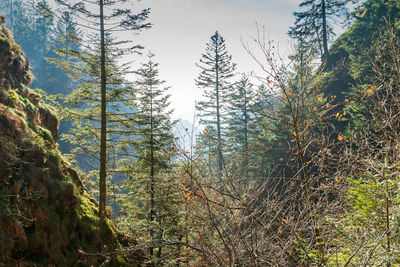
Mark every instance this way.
x=241 y=121
x=152 y=190
x=109 y=18
x=216 y=70
x=315 y=24
x=82 y=107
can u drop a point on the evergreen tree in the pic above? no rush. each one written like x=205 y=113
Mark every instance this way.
x=11 y=10
x=66 y=32
x=301 y=61
x=101 y=22
x=152 y=189
x=241 y=121
x=25 y=31
x=315 y=26
x=67 y=37
x=45 y=44
x=263 y=136
x=216 y=69
x=206 y=141
x=82 y=107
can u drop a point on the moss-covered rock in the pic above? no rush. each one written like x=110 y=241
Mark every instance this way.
x=14 y=66
x=47 y=218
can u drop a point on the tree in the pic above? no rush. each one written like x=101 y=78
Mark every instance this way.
x=152 y=188
x=216 y=69
x=241 y=120
x=45 y=43
x=115 y=19
x=82 y=107
x=66 y=37
x=313 y=26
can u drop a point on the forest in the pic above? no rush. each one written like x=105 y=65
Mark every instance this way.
x=296 y=164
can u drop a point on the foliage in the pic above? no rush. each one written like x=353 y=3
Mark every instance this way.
x=314 y=27
x=367 y=231
x=114 y=19
x=241 y=123
x=150 y=206
x=46 y=215
x=216 y=69
x=83 y=108
x=296 y=165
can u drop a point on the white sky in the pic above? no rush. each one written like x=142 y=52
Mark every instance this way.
x=181 y=29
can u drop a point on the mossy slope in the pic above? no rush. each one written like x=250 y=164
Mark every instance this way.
x=349 y=64
x=46 y=216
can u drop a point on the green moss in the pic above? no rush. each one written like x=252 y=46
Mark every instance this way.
x=69 y=217
x=45 y=134
x=4 y=42
x=87 y=208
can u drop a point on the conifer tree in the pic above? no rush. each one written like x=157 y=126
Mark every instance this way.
x=315 y=24
x=109 y=18
x=262 y=134
x=44 y=30
x=39 y=33
x=67 y=37
x=216 y=69
x=206 y=141
x=82 y=107
x=152 y=193
x=241 y=120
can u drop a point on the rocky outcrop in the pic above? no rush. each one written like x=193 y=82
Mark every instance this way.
x=47 y=218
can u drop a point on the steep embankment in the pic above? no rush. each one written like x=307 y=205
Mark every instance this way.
x=349 y=63
x=46 y=216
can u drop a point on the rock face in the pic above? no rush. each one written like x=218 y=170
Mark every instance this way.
x=46 y=216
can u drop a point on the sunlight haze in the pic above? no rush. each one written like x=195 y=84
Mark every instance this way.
x=181 y=29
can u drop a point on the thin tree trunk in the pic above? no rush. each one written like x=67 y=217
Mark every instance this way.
x=45 y=49
x=208 y=138
x=219 y=145
x=66 y=39
x=103 y=136
x=325 y=53
x=246 y=141
x=152 y=202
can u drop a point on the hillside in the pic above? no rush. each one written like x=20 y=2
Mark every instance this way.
x=291 y=160
x=47 y=217
x=349 y=64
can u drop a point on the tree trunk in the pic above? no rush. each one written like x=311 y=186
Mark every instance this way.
x=219 y=145
x=246 y=141
x=325 y=53
x=103 y=136
x=46 y=73
x=152 y=181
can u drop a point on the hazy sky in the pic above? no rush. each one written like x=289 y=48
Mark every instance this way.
x=182 y=28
